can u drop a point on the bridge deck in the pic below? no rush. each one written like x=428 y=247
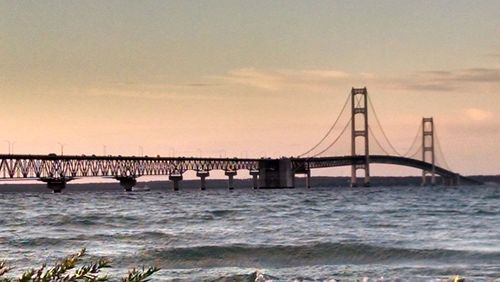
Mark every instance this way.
x=22 y=166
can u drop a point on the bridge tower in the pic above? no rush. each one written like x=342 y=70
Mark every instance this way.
x=359 y=107
x=428 y=149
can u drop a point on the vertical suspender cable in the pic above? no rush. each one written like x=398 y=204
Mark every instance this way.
x=329 y=130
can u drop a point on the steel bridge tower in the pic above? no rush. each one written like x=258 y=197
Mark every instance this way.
x=359 y=104
x=428 y=149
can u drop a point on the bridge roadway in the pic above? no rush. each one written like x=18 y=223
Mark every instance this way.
x=56 y=170
x=325 y=162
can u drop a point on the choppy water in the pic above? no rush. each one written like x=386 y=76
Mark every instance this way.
x=410 y=233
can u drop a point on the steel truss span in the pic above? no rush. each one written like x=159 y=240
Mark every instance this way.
x=53 y=166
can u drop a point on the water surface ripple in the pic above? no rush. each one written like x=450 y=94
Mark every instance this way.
x=407 y=233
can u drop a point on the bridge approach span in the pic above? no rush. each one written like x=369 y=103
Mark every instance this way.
x=60 y=166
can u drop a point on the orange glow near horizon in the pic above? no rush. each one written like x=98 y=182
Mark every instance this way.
x=240 y=80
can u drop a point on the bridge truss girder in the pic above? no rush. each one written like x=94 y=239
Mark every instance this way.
x=53 y=167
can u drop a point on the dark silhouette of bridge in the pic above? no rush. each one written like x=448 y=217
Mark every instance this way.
x=57 y=170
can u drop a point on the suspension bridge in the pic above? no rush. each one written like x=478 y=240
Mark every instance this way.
x=426 y=155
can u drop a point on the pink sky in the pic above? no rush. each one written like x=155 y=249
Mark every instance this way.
x=247 y=79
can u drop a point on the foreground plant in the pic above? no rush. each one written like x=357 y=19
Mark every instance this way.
x=66 y=270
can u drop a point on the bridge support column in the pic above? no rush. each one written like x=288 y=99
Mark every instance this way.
x=276 y=173
x=230 y=182
x=453 y=180
x=255 y=177
x=203 y=175
x=428 y=148
x=359 y=106
x=127 y=182
x=175 y=178
x=57 y=185
x=308 y=178
x=446 y=181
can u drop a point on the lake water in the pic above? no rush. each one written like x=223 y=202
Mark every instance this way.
x=394 y=233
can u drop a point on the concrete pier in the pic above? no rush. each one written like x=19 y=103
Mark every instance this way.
x=255 y=177
x=452 y=180
x=308 y=178
x=175 y=178
x=203 y=175
x=57 y=185
x=127 y=182
x=276 y=173
x=230 y=182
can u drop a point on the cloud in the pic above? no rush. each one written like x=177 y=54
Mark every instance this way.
x=320 y=73
x=321 y=79
x=496 y=51
x=279 y=79
x=449 y=80
x=426 y=86
x=146 y=90
x=309 y=80
x=132 y=93
x=494 y=55
x=475 y=75
x=270 y=80
x=200 y=84
x=476 y=114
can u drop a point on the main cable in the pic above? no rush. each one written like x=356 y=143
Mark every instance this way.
x=381 y=128
x=440 y=150
x=376 y=141
x=329 y=130
x=336 y=139
x=414 y=142
x=419 y=150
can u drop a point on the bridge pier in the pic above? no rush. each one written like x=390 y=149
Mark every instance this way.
x=175 y=178
x=230 y=174
x=433 y=179
x=308 y=178
x=354 y=179
x=276 y=173
x=203 y=175
x=255 y=175
x=56 y=184
x=453 y=180
x=127 y=182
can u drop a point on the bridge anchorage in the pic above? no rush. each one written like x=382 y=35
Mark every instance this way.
x=57 y=171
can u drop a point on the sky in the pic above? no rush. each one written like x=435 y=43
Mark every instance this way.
x=247 y=78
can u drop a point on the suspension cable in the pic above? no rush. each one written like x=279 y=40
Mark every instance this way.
x=376 y=140
x=414 y=142
x=336 y=139
x=440 y=150
x=381 y=128
x=419 y=150
x=329 y=130
x=358 y=102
